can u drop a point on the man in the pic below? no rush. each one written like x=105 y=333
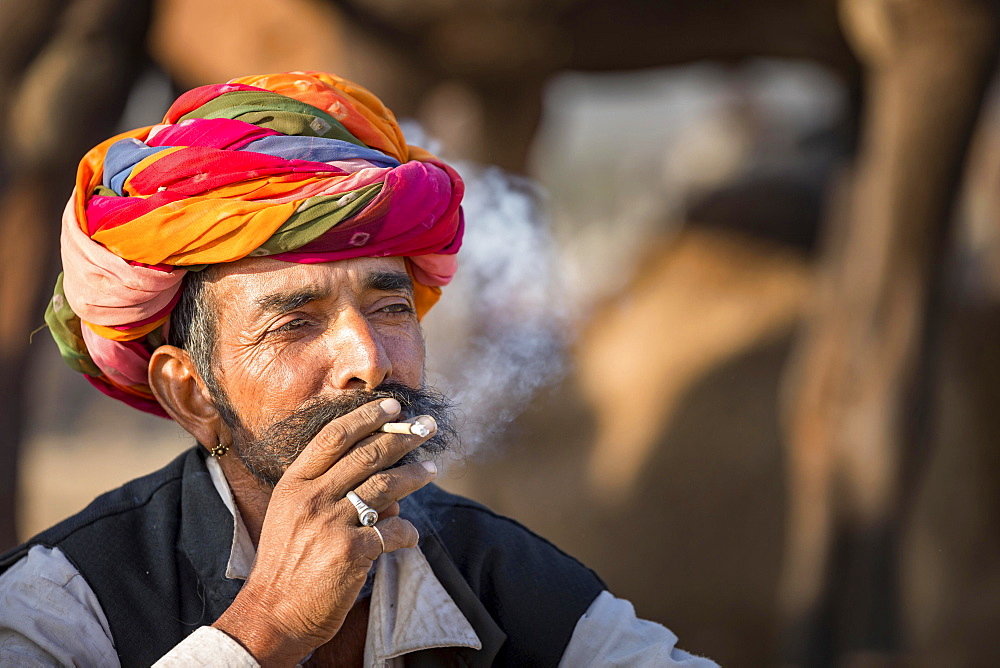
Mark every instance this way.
x=255 y=268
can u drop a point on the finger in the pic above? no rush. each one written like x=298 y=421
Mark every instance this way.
x=396 y=532
x=391 y=511
x=370 y=457
x=338 y=436
x=382 y=490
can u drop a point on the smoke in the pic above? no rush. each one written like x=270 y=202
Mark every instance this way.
x=498 y=335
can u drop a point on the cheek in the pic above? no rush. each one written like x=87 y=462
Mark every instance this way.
x=261 y=386
x=406 y=352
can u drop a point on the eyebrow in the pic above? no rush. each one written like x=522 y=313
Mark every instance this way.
x=390 y=281
x=283 y=302
x=382 y=281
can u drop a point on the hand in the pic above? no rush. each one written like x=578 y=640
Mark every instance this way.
x=313 y=555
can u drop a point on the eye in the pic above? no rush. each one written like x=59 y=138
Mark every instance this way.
x=397 y=308
x=291 y=325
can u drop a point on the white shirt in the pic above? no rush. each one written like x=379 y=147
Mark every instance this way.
x=49 y=615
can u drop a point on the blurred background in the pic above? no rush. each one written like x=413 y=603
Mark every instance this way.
x=725 y=326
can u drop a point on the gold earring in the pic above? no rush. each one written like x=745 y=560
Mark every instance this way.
x=220 y=449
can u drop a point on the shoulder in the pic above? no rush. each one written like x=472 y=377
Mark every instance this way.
x=474 y=534
x=610 y=634
x=464 y=519
x=139 y=547
x=535 y=592
x=68 y=629
x=111 y=510
x=553 y=609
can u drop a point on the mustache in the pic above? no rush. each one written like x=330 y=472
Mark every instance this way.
x=270 y=453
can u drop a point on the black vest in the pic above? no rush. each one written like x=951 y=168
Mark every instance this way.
x=155 y=551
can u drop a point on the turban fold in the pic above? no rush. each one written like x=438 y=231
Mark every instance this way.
x=300 y=166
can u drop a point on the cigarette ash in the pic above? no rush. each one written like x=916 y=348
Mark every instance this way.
x=497 y=335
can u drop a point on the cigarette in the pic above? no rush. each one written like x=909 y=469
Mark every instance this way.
x=414 y=428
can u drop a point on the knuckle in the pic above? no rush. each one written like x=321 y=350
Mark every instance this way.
x=335 y=432
x=380 y=486
x=314 y=506
x=402 y=533
x=354 y=550
x=367 y=457
x=357 y=419
x=360 y=549
x=373 y=409
x=345 y=548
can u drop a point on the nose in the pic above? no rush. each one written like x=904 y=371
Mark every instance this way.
x=360 y=361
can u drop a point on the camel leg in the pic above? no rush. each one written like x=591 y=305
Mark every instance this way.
x=859 y=383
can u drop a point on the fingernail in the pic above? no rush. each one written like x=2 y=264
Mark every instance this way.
x=428 y=422
x=390 y=406
x=430 y=466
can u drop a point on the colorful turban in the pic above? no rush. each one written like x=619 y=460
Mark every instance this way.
x=300 y=167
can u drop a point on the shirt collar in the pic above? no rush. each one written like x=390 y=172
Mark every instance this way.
x=410 y=608
x=242 y=552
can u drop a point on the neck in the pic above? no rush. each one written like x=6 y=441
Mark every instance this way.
x=250 y=494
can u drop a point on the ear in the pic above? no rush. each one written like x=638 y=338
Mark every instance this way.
x=182 y=392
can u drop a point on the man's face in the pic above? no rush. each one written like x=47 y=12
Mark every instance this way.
x=300 y=344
